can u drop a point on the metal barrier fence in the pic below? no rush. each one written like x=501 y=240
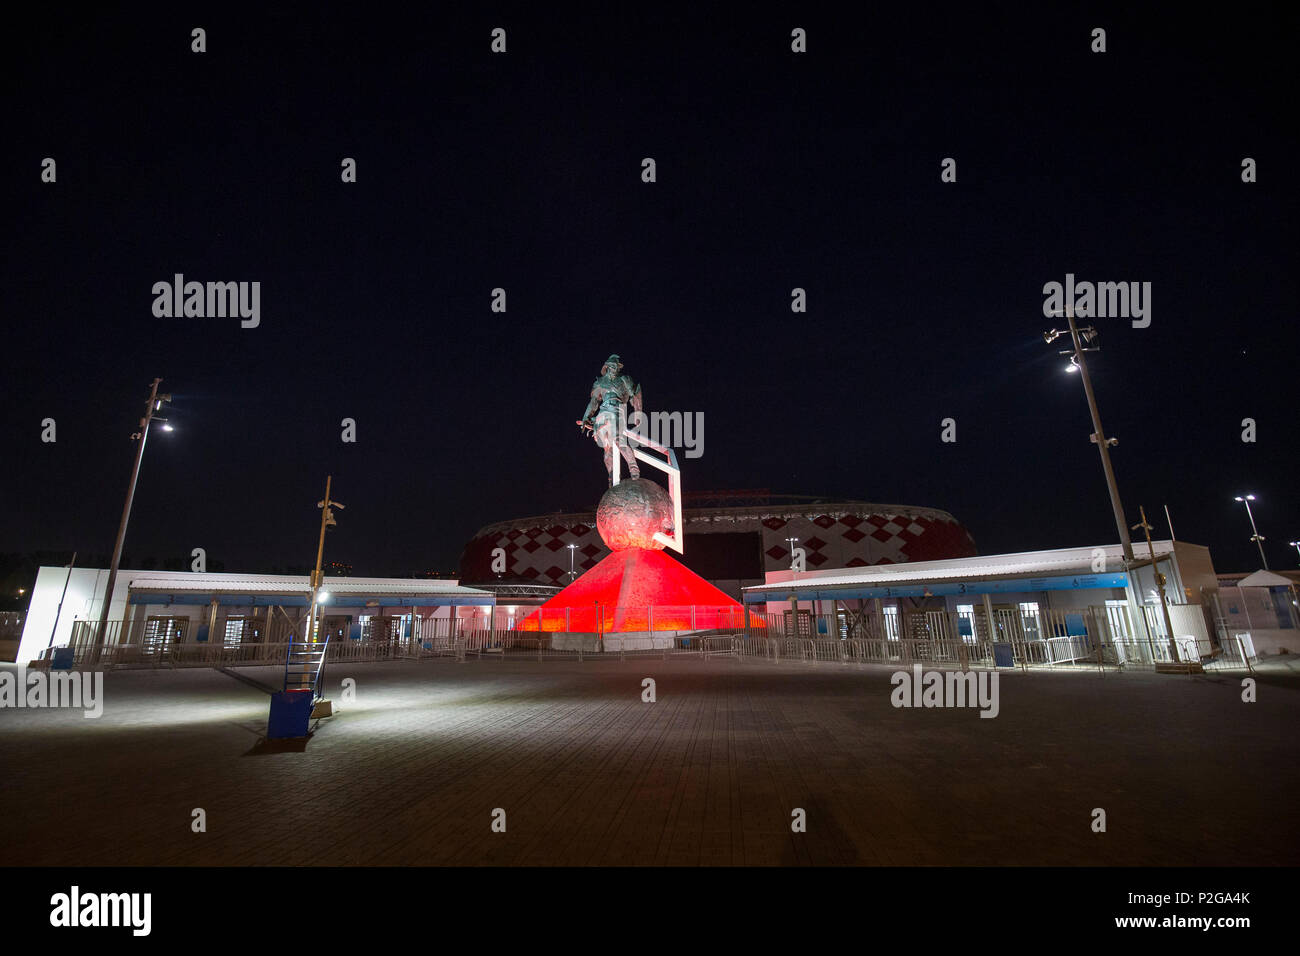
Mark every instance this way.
x=599 y=619
x=1191 y=654
x=901 y=652
x=544 y=646
x=207 y=654
x=1092 y=636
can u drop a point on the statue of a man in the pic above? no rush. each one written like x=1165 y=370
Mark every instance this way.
x=606 y=413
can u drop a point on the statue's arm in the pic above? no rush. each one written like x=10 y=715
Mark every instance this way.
x=636 y=397
x=592 y=405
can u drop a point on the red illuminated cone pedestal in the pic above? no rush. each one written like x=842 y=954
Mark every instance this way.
x=636 y=591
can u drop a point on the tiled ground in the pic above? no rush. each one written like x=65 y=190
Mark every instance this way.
x=709 y=774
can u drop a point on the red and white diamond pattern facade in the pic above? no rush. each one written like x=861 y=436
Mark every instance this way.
x=849 y=539
x=851 y=534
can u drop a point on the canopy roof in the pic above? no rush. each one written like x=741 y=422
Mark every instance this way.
x=1264 y=579
x=190 y=587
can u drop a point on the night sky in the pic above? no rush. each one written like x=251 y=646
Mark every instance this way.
x=523 y=171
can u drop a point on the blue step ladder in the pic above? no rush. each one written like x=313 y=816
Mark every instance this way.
x=304 y=666
x=292 y=709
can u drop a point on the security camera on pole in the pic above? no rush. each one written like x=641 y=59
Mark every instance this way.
x=326 y=521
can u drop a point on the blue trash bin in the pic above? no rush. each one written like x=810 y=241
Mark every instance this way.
x=290 y=715
x=1002 y=655
x=62 y=659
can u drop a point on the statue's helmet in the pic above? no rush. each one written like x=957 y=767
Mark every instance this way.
x=613 y=360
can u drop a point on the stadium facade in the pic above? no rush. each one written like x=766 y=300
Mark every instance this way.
x=733 y=539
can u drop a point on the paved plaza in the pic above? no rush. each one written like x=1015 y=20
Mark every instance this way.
x=589 y=774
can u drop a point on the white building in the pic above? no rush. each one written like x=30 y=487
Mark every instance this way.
x=1078 y=596
x=161 y=608
x=1263 y=605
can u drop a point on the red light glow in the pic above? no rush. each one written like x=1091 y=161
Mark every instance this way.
x=638 y=590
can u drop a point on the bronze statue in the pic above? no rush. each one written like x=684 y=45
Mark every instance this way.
x=606 y=414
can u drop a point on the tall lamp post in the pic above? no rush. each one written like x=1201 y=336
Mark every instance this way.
x=794 y=599
x=155 y=403
x=1080 y=338
x=1296 y=545
x=326 y=521
x=1079 y=363
x=1160 y=584
x=572 y=574
x=1254 y=532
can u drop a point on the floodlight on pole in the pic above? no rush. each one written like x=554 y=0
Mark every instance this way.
x=1078 y=338
x=1254 y=532
x=1296 y=545
x=154 y=404
x=1083 y=341
x=326 y=521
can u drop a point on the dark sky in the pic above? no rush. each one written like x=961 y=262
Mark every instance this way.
x=522 y=171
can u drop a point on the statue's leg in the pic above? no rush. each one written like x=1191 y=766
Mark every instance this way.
x=603 y=435
x=633 y=468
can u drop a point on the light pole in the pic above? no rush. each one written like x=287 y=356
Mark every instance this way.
x=792 y=542
x=1296 y=545
x=59 y=610
x=1079 y=362
x=155 y=403
x=326 y=521
x=1160 y=588
x=572 y=573
x=1255 y=535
